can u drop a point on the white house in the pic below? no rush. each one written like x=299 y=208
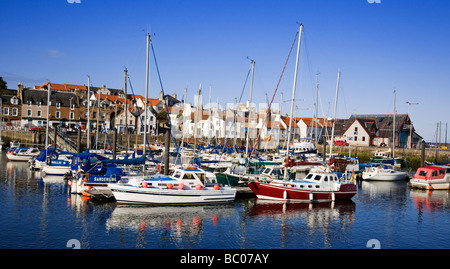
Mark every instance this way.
x=151 y=121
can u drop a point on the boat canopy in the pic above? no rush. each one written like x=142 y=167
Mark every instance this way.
x=431 y=172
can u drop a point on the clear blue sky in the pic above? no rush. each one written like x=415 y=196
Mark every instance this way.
x=395 y=44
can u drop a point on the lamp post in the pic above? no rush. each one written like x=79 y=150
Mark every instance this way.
x=410 y=123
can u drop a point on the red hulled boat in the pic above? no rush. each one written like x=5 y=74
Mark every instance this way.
x=317 y=186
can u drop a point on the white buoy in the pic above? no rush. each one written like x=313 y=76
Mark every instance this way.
x=311 y=196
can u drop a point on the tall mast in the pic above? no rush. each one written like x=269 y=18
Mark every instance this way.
x=88 y=114
x=49 y=88
x=195 y=119
x=126 y=112
x=248 y=109
x=316 y=110
x=293 y=96
x=393 y=132
x=146 y=92
x=334 y=116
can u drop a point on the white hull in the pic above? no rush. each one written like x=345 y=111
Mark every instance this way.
x=56 y=170
x=132 y=195
x=384 y=175
x=430 y=184
x=20 y=158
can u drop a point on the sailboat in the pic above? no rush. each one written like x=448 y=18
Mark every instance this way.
x=383 y=172
x=320 y=185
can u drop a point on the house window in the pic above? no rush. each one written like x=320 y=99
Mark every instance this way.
x=72 y=115
x=29 y=113
x=39 y=113
x=72 y=106
x=363 y=138
x=15 y=112
x=356 y=138
x=14 y=101
x=6 y=111
x=58 y=114
x=58 y=105
x=29 y=103
x=356 y=129
x=39 y=104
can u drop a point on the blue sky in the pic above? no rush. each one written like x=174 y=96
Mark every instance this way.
x=396 y=44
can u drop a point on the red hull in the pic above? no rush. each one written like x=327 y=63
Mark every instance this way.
x=275 y=192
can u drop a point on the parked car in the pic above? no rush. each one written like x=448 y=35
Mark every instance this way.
x=38 y=129
x=341 y=143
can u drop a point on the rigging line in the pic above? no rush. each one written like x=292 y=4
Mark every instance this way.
x=268 y=109
x=234 y=118
x=165 y=99
x=140 y=118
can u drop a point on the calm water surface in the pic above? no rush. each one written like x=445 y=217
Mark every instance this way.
x=39 y=213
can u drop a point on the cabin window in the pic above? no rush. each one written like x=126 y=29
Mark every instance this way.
x=325 y=179
x=434 y=174
x=317 y=186
x=423 y=173
x=309 y=176
x=177 y=175
x=448 y=170
x=442 y=172
x=309 y=186
x=201 y=176
x=317 y=177
x=188 y=176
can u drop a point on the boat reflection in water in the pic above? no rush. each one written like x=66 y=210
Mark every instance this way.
x=299 y=223
x=168 y=226
x=431 y=201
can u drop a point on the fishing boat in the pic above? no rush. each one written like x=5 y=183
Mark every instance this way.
x=184 y=186
x=383 y=173
x=22 y=154
x=432 y=178
x=320 y=185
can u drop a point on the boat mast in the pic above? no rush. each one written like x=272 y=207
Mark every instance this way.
x=316 y=110
x=393 y=133
x=248 y=109
x=147 y=70
x=49 y=88
x=126 y=113
x=88 y=113
x=293 y=97
x=195 y=119
x=334 y=116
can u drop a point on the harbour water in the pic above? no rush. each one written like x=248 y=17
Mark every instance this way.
x=39 y=213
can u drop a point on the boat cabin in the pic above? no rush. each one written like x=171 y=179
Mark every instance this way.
x=432 y=172
x=313 y=181
x=191 y=178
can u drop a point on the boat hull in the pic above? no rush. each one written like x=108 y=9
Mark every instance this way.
x=56 y=170
x=155 y=196
x=434 y=184
x=385 y=176
x=282 y=193
x=231 y=180
x=19 y=158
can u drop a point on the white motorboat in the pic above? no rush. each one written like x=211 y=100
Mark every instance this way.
x=383 y=173
x=432 y=178
x=22 y=154
x=184 y=186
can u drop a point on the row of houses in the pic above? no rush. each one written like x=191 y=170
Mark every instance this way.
x=74 y=106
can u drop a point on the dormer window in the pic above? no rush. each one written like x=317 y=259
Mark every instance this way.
x=58 y=105
x=38 y=104
x=14 y=101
